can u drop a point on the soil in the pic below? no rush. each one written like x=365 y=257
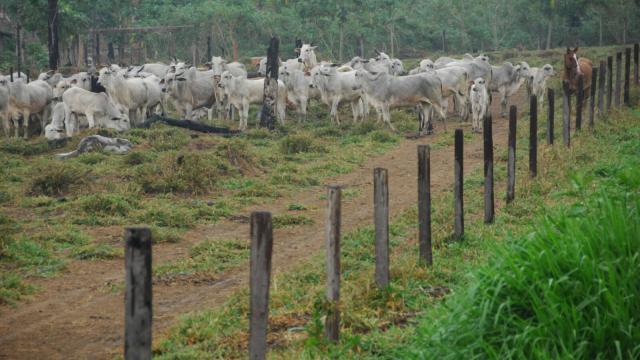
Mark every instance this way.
x=79 y=315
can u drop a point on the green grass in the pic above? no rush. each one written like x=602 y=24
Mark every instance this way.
x=96 y=252
x=383 y=323
x=206 y=259
x=288 y=220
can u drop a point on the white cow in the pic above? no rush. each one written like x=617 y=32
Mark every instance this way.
x=385 y=91
x=98 y=108
x=537 y=81
x=308 y=56
x=190 y=89
x=298 y=88
x=29 y=99
x=479 y=103
x=336 y=87
x=130 y=93
x=55 y=129
x=218 y=66
x=243 y=92
x=506 y=80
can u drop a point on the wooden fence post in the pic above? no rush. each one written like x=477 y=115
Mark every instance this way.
x=533 y=137
x=566 y=114
x=609 y=82
x=592 y=98
x=579 y=102
x=489 y=205
x=458 y=185
x=424 y=204
x=381 y=217
x=332 y=243
x=627 y=75
x=618 y=89
x=601 y=90
x=138 y=293
x=551 y=95
x=269 y=104
x=511 y=164
x=260 y=275
x=636 y=56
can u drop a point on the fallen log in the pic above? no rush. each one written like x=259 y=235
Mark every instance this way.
x=188 y=124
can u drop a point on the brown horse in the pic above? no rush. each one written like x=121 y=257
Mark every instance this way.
x=573 y=68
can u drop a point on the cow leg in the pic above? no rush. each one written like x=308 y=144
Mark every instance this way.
x=504 y=100
x=16 y=124
x=6 y=125
x=25 y=124
x=244 y=115
x=188 y=111
x=91 y=120
x=334 y=111
x=386 y=116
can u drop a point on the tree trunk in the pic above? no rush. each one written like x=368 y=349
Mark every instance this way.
x=341 y=45
x=234 y=47
x=54 y=54
x=600 y=30
x=391 y=39
x=549 y=30
x=361 y=41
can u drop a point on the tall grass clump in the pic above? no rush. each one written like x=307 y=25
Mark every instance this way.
x=571 y=289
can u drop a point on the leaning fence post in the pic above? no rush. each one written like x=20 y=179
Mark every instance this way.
x=592 y=99
x=566 y=114
x=458 y=185
x=138 y=293
x=332 y=243
x=269 y=104
x=601 y=90
x=627 y=75
x=489 y=206
x=424 y=204
x=636 y=56
x=609 y=82
x=579 y=102
x=260 y=275
x=511 y=164
x=533 y=137
x=618 y=89
x=551 y=95
x=381 y=217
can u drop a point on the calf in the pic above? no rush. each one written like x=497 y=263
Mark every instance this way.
x=537 y=81
x=298 y=88
x=479 y=103
x=55 y=130
x=29 y=99
x=506 y=80
x=99 y=109
x=336 y=87
x=129 y=93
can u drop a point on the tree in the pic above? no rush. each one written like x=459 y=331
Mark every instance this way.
x=52 y=38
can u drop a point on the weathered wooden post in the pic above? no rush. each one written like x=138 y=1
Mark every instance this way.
x=511 y=161
x=489 y=206
x=601 y=90
x=458 y=228
x=566 y=114
x=551 y=99
x=609 y=82
x=636 y=59
x=52 y=34
x=533 y=137
x=11 y=74
x=332 y=244
x=627 y=75
x=138 y=293
x=381 y=218
x=618 y=89
x=579 y=102
x=424 y=204
x=269 y=111
x=260 y=277
x=592 y=99
x=298 y=44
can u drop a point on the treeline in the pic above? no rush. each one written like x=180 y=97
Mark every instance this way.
x=341 y=28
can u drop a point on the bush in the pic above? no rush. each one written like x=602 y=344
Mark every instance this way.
x=295 y=144
x=137 y=158
x=105 y=204
x=56 y=179
x=382 y=136
x=167 y=215
x=19 y=146
x=182 y=173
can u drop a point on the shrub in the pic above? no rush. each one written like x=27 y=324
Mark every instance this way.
x=105 y=204
x=137 y=158
x=295 y=144
x=19 y=146
x=56 y=179
x=168 y=215
x=181 y=173
x=382 y=136
x=286 y=220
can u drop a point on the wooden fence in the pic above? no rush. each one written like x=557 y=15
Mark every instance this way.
x=138 y=240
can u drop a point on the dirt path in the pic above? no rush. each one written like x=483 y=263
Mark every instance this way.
x=75 y=316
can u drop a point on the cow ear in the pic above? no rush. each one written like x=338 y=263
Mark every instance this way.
x=313 y=47
x=74 y=81
x=297 y=50
x=162 y=81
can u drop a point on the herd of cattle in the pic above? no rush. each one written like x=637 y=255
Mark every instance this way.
x=63 y=105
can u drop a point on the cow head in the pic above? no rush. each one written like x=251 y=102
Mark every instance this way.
x=478 y=84
x=547 y=70
x=218 y=65
x=308 y=56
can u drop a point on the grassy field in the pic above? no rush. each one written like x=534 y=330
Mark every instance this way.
x=495 y=282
